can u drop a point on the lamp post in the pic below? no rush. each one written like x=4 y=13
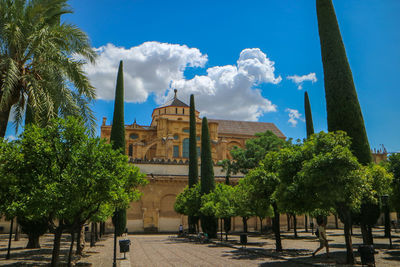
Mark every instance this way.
x=385 y=204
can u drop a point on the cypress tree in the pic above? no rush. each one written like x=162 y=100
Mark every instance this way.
x=343 y=109
x=117 y=139
x=310 y=131
x=309 y=120
x=208 y=223
x=193 y=162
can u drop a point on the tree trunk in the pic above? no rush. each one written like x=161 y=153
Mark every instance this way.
x=71 y=248
x=244 y=219
x=336 y=222
x=4 y=121
x=312 y=225
x=17 y=233
x=364 y=230
x=33 y=241
x=56 y=246
x=261 y=226
x=92 y=235
x=9 y=239
x=102 y=228
x=288 y=221
x=96 y=233
x=349 y=245
x=387 y=222
x=80 y=241
x=227 y=227
x=221 y=226
x=306 y=223
x=369 y=235
x=277 y=228
x=295 y=225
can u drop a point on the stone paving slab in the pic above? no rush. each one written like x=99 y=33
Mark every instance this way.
x=168 y=250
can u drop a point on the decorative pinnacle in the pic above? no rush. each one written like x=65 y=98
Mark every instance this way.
x=175 y=91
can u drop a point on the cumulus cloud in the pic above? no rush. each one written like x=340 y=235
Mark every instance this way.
x=294 y=116
x=298 y=80
x=226 y=92
x=148 y=68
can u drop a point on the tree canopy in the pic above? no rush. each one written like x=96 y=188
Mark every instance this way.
x=41 y=62
x=59 y=173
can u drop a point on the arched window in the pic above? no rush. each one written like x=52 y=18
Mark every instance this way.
x=185 y=148
x=130 y=153
x=133 y=136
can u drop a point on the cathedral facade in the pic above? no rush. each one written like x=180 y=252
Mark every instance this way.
x=161 y=151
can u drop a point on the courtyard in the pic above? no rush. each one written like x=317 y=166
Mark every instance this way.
x=168 y=250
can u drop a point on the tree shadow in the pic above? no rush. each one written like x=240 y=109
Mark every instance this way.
x=283 y=263
x=242 y=254
x=392 y=255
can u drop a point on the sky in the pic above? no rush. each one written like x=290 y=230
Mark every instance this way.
x=243 y=60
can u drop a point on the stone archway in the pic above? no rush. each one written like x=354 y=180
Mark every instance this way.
x=229 y=147
x=150 y=151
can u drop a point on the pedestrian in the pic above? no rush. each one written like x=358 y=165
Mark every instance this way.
x=323 y=241
x=180 y=230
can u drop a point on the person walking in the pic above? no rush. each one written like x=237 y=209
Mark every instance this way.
x=323 y=241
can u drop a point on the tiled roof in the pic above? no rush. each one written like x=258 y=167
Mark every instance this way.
x=175 y=102
x=246 y=127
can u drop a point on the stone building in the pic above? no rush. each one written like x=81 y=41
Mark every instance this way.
x=161 y=151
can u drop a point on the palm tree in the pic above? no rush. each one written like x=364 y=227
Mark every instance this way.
x=41 y=63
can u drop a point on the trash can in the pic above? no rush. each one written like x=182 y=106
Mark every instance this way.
x=124 y=245
x=367 y=254
x=243 y=239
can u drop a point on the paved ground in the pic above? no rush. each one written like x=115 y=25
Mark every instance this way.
x=167 y=250
x=161 y=250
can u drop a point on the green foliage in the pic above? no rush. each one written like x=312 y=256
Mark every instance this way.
x=188 y=202
x=208 y=223
x=9 y=155
x=393 y=166
x=343 y=109
x=330 y=174
x=58 y=172
x=37 y=227
x=308 y=115
x=219 y=203
x=193 y=164
x=207 y=166
x=287 y=163
x=43 y=59
x=256 y=149
x=117 y=137
x=255 y=193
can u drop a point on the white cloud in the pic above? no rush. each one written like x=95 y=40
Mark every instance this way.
x=311 y=77
x=294 y=116
x=148 y=68
x=226 y=92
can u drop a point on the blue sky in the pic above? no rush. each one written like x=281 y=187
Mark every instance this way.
x=165 y=44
